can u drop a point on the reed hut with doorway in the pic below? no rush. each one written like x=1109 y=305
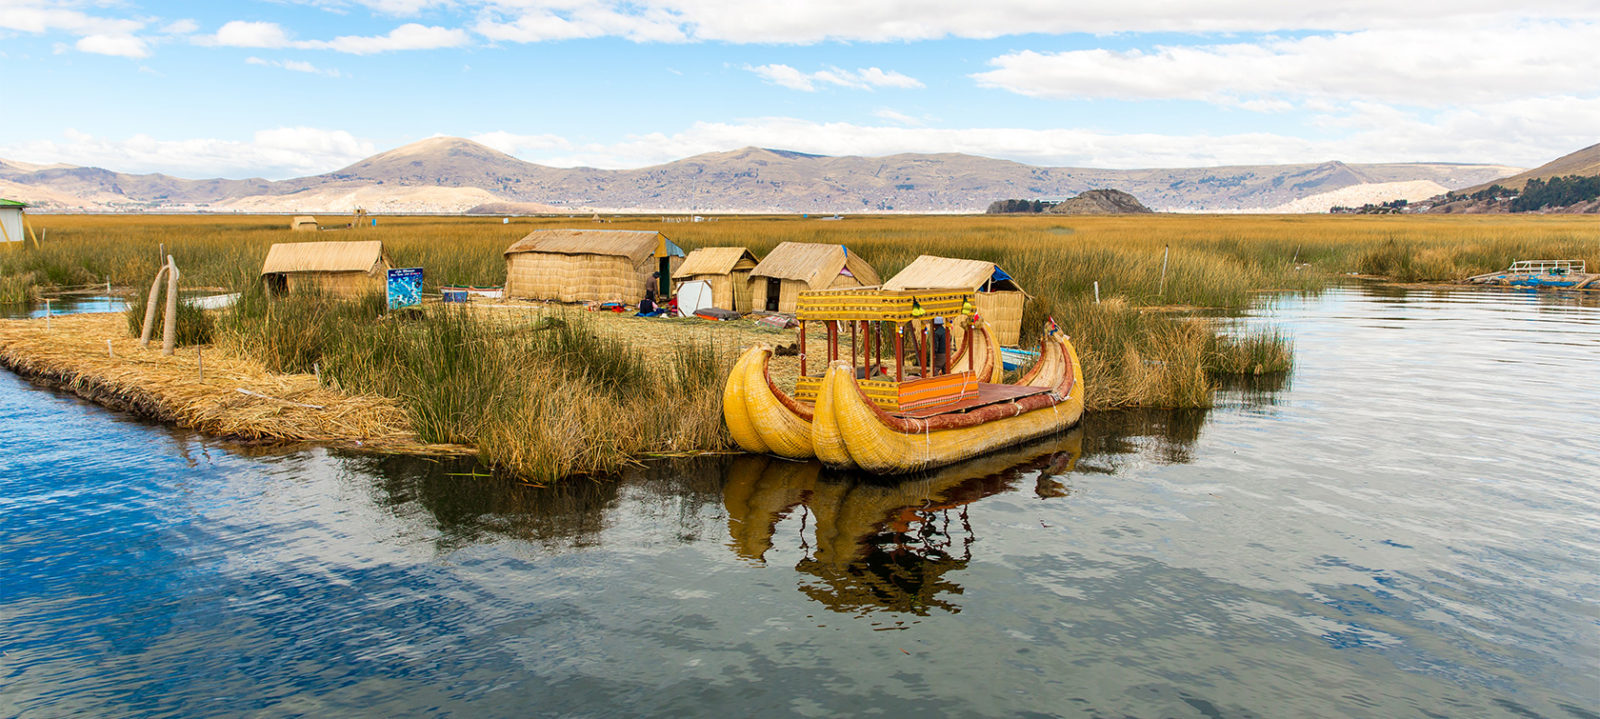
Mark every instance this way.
x=589 y=265
x=303 y=223
x=996 y=296
x=794 y=267
x=726 y=269
x=339 y=269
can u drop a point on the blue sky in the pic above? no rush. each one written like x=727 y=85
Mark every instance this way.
x=285 y=88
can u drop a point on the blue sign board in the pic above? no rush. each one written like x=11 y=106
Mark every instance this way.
x=405 y=287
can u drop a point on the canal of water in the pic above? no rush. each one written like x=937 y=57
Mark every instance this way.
x=1408 y=525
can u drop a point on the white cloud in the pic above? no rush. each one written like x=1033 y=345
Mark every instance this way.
x=862 y=79
x=180 y=27
x=38 y=17
x=97 y=35
x=295 y=65
x=897 y=117
x=410 y=36
x=1435 y=66
x=741 y=21
x=242 y=33
x=576 y=19
x=276 y=153
x=120 y=45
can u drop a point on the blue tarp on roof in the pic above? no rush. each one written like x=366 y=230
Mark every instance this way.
x=999 y=275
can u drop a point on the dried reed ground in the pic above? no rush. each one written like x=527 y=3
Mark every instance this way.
x=72 y=354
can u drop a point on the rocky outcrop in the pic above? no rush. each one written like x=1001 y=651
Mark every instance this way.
x=1100 y=202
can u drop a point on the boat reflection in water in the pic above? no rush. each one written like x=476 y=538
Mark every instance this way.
x=877 y=545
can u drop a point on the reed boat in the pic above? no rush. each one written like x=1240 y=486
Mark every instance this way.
x=764 y=419
x=857 y=415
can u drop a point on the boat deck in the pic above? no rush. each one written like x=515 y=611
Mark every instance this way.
x=987 y=394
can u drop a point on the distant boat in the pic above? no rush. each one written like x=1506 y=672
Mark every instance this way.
x=1012 y=358
x=1572 y=274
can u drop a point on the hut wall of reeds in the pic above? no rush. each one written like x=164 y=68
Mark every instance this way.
x=303 y=223
x=997 y=297
x=794 y=267
x=585 y=265
x=340 y=269
x=726 y=269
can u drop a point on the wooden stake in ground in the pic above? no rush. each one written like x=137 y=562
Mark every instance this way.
x=169 y=333
x=1163 y=291
x=150 y=309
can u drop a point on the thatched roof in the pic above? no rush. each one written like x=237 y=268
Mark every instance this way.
x=812 y=262
x=928 y=272
x=323 y=257
x=636 y=245
x=715 y=261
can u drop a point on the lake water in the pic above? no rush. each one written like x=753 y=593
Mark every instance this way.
x=1409 y=525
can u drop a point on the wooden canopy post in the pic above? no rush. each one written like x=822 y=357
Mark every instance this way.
x=899 y=354
x=969 y=349
x=802 y=348
x=853 y=343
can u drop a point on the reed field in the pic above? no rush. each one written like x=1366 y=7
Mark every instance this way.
x=549 y=395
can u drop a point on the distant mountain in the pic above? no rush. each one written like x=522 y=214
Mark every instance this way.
x=446 y=174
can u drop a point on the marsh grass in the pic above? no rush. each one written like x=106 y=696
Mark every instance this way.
x=539 y=400
x=195 y=326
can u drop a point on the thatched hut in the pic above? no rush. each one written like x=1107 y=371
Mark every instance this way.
x=341 y=269
x=303 y=222
x=997 y=297
x=587 y=265
x=793 y=267
x=726 y=269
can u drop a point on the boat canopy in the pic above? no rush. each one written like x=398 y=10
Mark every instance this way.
x=875 y=304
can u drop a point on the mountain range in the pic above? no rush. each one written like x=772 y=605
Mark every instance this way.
x=454 y=175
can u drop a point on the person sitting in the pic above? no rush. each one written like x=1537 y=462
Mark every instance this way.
x=941 y=347
x=647 y=307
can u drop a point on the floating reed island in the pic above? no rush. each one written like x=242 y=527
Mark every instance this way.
x=545 y=390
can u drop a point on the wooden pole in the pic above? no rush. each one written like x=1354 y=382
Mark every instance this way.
x=899 y=354
x=150 y=309
x=199 y=363
x=853 y=344
x=169 y=333
x=1163 y=291
x=970 y=359
x=1097 y=292
x=802 y=348
x=109 y=353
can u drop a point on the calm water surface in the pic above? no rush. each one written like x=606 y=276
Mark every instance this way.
x=1407 y=526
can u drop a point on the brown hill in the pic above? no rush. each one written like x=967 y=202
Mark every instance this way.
x=1100 y=202
x=1584 y=162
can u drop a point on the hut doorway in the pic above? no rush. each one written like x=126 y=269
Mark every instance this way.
x=774 y=289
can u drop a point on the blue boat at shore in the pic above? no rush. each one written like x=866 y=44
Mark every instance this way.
x=1565 y=274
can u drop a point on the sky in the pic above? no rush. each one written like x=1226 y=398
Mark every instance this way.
x=285 y=88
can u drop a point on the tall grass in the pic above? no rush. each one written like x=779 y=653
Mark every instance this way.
x=194 y=325
x=541 y=402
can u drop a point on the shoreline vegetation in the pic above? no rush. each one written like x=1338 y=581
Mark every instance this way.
x=546 y=391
